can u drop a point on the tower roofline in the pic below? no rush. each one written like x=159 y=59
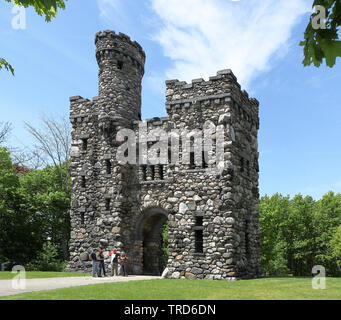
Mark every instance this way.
x=221 y=74
x=111 y=34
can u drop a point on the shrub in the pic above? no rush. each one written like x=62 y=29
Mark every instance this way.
x=47 y=260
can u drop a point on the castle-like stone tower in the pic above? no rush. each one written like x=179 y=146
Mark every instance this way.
x=211 y=209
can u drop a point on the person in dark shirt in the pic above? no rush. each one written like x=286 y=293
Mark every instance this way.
x=114 y=262
x=100 y=257
x=95 y=263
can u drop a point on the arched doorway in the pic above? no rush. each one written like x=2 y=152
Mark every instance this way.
x=149 y=231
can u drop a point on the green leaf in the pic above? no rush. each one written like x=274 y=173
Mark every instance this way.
x=331 y=50
x=6 y=65
x=322 y=44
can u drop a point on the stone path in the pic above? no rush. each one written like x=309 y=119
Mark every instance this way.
x=6 y=288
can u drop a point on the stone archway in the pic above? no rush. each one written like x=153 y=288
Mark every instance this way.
x=149 y=231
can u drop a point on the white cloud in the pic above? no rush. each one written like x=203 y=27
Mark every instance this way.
x=120 y=15
x=107 y=7
x=201 y=36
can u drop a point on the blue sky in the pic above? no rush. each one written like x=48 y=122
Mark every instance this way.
x=300 y=111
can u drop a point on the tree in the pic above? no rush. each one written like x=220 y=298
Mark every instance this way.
x=47 y=198
x=6 y=65
x=53 y=146
x=47 y=189
x=5 y=130
x=47 y=260
x=47 y=8
x=19 y=228
x=335 y=245
x=273 y=212
x=327 y=218
x=298 y=232
x=321 y=37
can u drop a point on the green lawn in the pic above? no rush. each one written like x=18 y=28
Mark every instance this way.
x=7 y=275
x=269 y=289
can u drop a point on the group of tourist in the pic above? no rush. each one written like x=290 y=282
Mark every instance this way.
x=118 y=263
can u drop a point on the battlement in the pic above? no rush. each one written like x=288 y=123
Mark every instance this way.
x=110 y=34
x=80 y=106
x=219 y=89
x=183 y=85
x=119 y=47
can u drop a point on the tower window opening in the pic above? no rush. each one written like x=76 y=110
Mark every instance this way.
x=107 y=204
x=84 y=144
x=83 y=182
x=152 y=170
x=248 y=167
x=120 y=65
x=242 y=168
x=204 y=160
x=199 y=239
x=199 y=248
x=108 y=165
x=198 y=221
x=191 y=161
x=246 y=239
x=161 y=172
x=144 y=173
x=82 y=219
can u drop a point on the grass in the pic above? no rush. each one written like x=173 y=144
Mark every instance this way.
x=7 y=275
x=258 y=289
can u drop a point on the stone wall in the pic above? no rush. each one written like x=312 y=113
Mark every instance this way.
x=212 y=212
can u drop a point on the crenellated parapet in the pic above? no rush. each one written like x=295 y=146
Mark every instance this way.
x=222 y=89
x=79 y=105
x=120 y=49
x=223 y=82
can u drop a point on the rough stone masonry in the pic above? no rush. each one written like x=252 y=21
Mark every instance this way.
x=212 y=215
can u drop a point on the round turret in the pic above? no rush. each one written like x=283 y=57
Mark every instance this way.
x=121 y=68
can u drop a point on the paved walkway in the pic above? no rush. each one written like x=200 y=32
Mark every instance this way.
x=6 y=287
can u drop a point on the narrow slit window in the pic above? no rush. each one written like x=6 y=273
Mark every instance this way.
x=199 y=248
x=83 y=182
x=82 y=219
x=152 y=170
x=108 y=166
x=161 y=170
x=198 y=221
x=248 y=167
x=242 y=168
x=107 y=204
x=144 y=173
x=120 y=65
x=84 y=144
x=192 y=161
x=204 y=160
x=246 y=239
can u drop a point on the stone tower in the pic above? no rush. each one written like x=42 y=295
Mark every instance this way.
x=212 y=212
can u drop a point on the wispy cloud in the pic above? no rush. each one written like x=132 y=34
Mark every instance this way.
x=109 y=7
x=202 y=36
x=123 y=15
